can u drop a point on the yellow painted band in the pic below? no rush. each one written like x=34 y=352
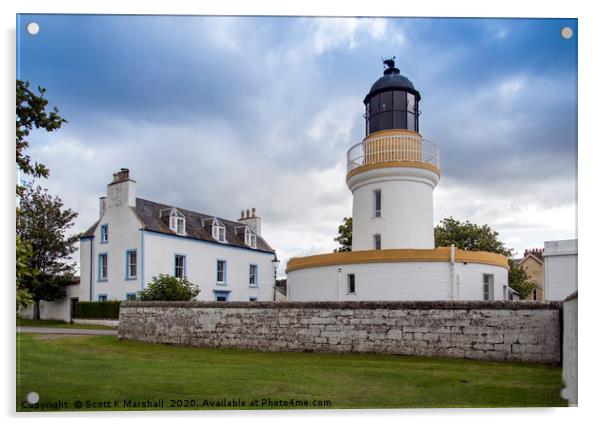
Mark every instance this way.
x=392 y=132
x=416 y=164
x=439 y=254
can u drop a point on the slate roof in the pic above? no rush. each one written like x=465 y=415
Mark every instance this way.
x=149 y=214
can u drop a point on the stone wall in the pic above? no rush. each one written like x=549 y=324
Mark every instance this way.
x=570 y=355
x=513 y=331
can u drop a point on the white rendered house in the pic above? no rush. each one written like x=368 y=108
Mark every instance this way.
x=560 y=269
x=136 y=239
x=392 y=174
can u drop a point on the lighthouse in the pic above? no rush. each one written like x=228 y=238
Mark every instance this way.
x=392 y=174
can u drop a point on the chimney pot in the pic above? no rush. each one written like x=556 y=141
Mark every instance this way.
x=253 y=211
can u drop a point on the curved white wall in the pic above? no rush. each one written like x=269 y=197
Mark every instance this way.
x=406 y=219
x=396 y=281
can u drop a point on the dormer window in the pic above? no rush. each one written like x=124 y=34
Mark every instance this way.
x=179 y=225
x=219 y=232
x=177 y=222
x=250 y=238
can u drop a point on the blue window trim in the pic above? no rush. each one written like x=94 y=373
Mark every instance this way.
x=102 y=295
x=225 y=282
x=130 y=294
x=217 y=293
x=256 y=285
x=174 y=264
x=102 y=233
x=129 y=277
x=98 y=278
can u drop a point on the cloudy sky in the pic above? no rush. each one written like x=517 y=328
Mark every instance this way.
x=219 y=114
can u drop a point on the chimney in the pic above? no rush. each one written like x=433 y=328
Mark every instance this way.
x=121 y=176
x=121 y=191
x=251 y=219
x=102 y=206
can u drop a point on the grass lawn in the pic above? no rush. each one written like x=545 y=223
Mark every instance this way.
x=103 y=368
x=60 y=324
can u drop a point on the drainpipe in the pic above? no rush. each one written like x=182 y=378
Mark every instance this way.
x=340 y=271
x=452 y=259
x=91 y=268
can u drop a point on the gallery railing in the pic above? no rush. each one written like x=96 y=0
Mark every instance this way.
x=382 y=149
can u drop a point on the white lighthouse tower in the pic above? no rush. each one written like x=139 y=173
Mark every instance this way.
x=392 y=174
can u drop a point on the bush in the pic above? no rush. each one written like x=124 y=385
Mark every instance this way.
x=96 y=310
x=167 y=287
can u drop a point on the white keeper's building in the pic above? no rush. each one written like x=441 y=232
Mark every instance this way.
x=135 y=240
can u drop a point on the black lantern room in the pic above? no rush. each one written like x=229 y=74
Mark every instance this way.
x=392 y=102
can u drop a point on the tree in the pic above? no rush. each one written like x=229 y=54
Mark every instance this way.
x=519 y=281
x=31 y=112
x=469 y=236
x=24 y=298
x=42 y=223
x=345 y=237
x=166 y=287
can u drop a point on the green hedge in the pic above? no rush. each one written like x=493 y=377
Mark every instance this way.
x=105 y=310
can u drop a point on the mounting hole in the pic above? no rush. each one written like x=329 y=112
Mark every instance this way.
x=33 y=397
x=566 y=33
x=33 y=28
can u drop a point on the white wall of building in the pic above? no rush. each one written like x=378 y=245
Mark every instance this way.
x=124 y=234
x=201 y=266
x=54 y=310
x=560 y=269
x=396 y=281
x=406 y=219
x=156 y=255
x=86 y=279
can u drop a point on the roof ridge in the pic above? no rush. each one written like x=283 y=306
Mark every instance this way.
x=234 y=222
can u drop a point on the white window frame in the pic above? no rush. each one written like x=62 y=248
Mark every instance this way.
x=131 y=265
x=182 y=267
x=103 y=270
x=177 y=224
x=104 y=233
x=222 y=271
x=250 y=239
x=253 y=275
x=219 y=233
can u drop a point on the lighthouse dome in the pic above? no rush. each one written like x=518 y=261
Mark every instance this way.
x=392 y=81
x=392 y=102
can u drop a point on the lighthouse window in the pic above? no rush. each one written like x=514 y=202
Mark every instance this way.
x=377 y=202
x=487 y=287
x=376 y=241
x=350 y=283
x=386 y=116
x=399 y=107
x=411 y=112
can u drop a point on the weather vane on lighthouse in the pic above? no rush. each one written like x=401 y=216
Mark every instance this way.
x=390 y=66
x=390 y=63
